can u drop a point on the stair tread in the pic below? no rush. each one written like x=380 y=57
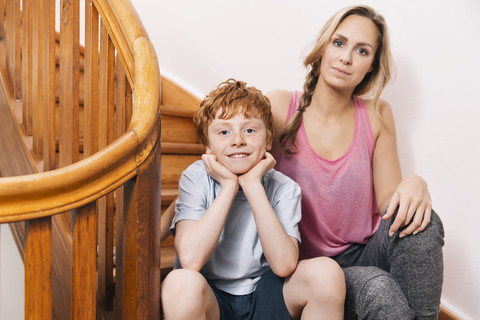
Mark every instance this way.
x=176 y=111
x=182 y=148
x=168 y=195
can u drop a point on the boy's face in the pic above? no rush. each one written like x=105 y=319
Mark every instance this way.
x=239 y=143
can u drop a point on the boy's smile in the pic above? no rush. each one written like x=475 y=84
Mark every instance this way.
x=238 y=143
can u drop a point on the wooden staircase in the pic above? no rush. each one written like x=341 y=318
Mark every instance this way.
x=80 y=157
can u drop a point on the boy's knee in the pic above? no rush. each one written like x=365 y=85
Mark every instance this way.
x=183 y=282
x=183 y=294
x=325 y=278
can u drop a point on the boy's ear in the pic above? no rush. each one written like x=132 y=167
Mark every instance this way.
x=268 y=146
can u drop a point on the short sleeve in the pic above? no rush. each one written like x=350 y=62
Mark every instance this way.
x=193 y=193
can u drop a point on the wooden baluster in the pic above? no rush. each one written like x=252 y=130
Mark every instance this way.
x=27 y=95
x=105 y=136
x=47 y=79
x=38 y=266
x=69 y=79
x=90 y=141
x=123 y=104
x=84 y=223
x=13 y=29
x=3 y=50
x=119 y=207
x=37 y=85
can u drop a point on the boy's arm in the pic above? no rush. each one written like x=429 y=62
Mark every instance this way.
x=195 y=240
x=281 y=250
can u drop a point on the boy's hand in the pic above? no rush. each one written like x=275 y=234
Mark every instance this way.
x=256 y=173
x=218 y=171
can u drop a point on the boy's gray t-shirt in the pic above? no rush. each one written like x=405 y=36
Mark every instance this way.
x=238 y=260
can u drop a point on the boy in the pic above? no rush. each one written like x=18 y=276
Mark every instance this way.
x=235 y=227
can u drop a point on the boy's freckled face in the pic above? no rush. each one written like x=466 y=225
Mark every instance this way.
x=239 y=143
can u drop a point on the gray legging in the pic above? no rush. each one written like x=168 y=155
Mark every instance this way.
x=393 y=277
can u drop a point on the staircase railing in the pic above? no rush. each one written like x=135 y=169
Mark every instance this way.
x=83 y=196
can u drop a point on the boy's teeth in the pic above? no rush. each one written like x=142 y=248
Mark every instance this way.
x=239 y=155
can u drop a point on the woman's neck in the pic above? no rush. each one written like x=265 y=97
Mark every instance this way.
x=329 y=101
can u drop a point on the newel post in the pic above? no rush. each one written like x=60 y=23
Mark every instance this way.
x=140 y=291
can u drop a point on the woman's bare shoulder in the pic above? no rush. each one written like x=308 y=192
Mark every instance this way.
x=279 y=97
x=380 y=115
x=280 y=100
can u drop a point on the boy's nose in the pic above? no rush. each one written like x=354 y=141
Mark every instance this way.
x=237 y=140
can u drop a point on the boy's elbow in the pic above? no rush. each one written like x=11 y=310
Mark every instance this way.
x=190 y=264
x=285 y=269
x=188 y=259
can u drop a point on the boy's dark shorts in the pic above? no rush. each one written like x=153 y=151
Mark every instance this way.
x=265 y=303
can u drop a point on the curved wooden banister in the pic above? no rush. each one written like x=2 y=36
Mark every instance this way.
x=123 y=34
x=52 y=192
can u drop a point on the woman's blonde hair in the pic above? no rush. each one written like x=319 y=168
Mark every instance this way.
x=374 y=81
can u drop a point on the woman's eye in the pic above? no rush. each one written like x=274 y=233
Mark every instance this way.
x=363 y=52
x=337 y=43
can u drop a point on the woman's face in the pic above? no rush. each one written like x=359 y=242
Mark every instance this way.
x=350 y=53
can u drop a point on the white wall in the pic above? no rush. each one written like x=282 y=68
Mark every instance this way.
x=436 y=46
x=12 y=291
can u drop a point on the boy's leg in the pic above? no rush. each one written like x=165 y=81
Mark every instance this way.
x=316 y=290
x=185 y=294
x=414 y=262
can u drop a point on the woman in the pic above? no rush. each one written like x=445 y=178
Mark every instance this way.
x=341 y=149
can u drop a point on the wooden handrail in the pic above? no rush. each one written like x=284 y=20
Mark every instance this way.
x=48 y=193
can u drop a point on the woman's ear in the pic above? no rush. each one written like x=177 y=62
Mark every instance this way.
x=207 y=150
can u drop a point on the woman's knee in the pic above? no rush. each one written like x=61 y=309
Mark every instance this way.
x=430 y=240
x=374 y=294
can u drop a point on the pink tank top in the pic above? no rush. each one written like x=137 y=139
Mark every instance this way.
x=338 y=203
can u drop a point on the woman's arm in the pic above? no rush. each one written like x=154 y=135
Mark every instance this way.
x=411 y=194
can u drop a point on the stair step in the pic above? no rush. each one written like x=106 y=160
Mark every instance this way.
x=182 y=148
x=168 y=195
x=173 y=166
x=176 y=111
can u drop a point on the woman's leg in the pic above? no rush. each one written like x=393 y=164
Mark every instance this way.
x=372 y=293
x=415 y=262
x=185 y=294
x=316 y=290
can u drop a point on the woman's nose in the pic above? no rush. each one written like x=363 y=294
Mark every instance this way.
x=346 y=58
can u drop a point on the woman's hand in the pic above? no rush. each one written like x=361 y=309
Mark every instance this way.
x=256 y=173
x=414 y=206
x=218 y=171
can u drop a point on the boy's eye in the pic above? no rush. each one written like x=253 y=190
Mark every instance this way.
x=249 y=130
x=223 y=132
